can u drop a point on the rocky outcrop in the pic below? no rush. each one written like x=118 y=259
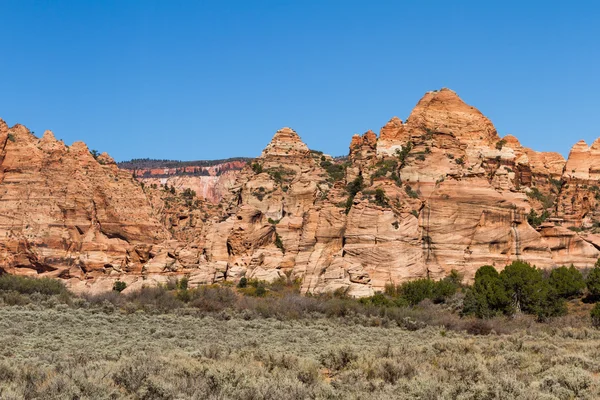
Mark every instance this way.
x=65 y=212
x=439 y=192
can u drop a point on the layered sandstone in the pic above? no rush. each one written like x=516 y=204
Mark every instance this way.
x=210 y=180
x=439 y=192
x=64 y=211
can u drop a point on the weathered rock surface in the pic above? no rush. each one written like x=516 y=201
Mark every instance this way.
x=211 y=180
x=439 y=192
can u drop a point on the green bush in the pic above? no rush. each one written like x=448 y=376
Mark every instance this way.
x=403 y=154
x=378 y=299
x=380 y=198
x=536 y=220
x=518 y=288
x=353 y=188
x=487 y=297
x=279 y=243
x=442 y=290
x=335 y=171
x=27 y=285
x=260 y=291
x=525 y=284
x=416 y=291
x=411 y=193
x=119 y=286
x=257 y=168
x=593 y=281
x=385 y=167
x=243 y=283
x=567 y=282
x=183 y=283
x=595 y=314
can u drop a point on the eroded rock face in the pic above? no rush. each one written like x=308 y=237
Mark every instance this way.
x=62 y=211
x=439 y=192
x=210 y=180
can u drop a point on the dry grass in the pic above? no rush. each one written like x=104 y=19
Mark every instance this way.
x=51 y=350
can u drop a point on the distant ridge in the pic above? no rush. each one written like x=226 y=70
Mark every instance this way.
x=144 y=163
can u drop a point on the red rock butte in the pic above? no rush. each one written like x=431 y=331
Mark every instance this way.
x=456 y=196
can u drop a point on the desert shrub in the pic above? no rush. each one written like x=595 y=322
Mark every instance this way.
x=524 y=283
x=380 y=198
x=593 y=281
x=519 y=287
x=479 y=327
x=285 y=284
x=188 y=193
x=402 y=154
x=443 y=289
x=119 y=286
x=28 y=285
x=243 y=282
x=182 y=284
x=411 y=193
x=455 y=277
x=566 y=282
x=338 y=359
x=276 y=175
x=12 y=298
x=155 y=299
x=353 y=188
x=536 y=220
x=416 y=291
x=487 y=297
x=212 y=298
x=257 y=168
x=336 y=171
x=547 y=201
x=260 y=291
x=279 y=243
x=385 y=167
x=595 y=315
x=254 y=288
x=378 y=299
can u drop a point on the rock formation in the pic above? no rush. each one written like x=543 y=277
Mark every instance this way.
x=211 y=180
x=439 y=192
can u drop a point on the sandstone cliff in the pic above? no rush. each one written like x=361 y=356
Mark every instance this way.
x=211 y=180
x=441 y=191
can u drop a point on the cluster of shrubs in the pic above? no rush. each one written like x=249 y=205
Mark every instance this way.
x=386 y=167
x=536 y=220
x=518 y=288
x=336 y=171
x=547 y=201
x=414 y=292
x=521 y=287
x=402 y=154
x=17 y=290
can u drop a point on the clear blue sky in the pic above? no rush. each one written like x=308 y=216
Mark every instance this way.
x=213 y=79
